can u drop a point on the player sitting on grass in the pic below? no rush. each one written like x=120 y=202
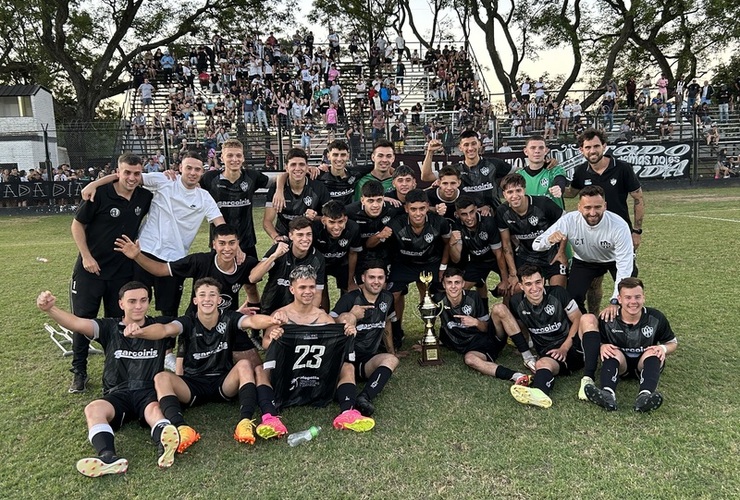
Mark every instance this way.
x=209 y=373
x=128 y=380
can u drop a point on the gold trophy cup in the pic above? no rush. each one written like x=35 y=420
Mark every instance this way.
x=428 y=311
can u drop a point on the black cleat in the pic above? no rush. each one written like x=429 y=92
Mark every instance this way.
x=601 y=397
x=364 y=405
x=648 y=401
x=79 y=384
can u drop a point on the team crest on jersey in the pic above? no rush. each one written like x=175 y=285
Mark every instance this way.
x=351 y=179
x=484 y=170
x=244 y=185
x=550 y=309
x=544 y=182
x=343 y=242
x=307 y=201
x=613 y=182
x=533 y=220
x=114 y=212
x=386 y=219
x=236 y=287
x=137 y=211
x=647 y=331
x=428 y=237
x=483 y=235
x=605 y=244
x=221 y=327
x=467 y=310
x=383 y=307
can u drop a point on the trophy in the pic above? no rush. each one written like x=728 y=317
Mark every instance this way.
x=428 y=311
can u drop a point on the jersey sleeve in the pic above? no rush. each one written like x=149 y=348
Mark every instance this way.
x=355 y=242
x=577 y=181
x=270 y=195
x=187 y=267
x=665 y=332
x=343 y=305
x=87 y=210
x=500 y=222
x=630 y=180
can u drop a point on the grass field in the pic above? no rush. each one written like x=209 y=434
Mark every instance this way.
x=441 y=432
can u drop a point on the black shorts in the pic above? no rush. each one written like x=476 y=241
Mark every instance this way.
x=632 y=371
x=359 y=364
x=549 y=270
x=582 y=275
x=250 y=251
x=477 y=272
x=340 y=273
x=129 y=405
x=487 y=344
x=86 y=292
x=574 y=358
x=402 y=274
x=205 y=389
x=242 y=342
x=167 y=289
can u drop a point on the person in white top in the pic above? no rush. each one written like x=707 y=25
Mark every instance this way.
x=601 y=242
x=178 y=208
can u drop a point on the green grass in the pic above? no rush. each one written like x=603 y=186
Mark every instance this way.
x=442 y=431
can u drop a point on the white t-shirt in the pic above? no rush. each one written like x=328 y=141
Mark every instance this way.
x=175 y=217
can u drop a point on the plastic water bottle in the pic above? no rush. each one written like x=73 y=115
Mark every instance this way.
x=301 y=437
x=42 y=259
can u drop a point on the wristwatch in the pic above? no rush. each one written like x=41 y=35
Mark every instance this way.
x=637 y=231
x=614 y=302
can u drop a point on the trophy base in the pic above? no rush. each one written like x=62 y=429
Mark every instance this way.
x=430 y=355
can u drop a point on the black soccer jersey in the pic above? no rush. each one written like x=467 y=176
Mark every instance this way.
x=207 y=352
x=130 y=363
x=370 y=226
x=541 y=214
x=618 y=180
x=313 y=196
x=456 y=336
x=423 y=248
x=305 y=362
x=434 y=200
x=548 y=321
x=277 y=289
x=234 y=199
x=482 y=181
x=336 y=250
x=106 y=218
x=201 y=265
x=652 y=329
x=342 y=189
x=479 y=243
x=371 y=327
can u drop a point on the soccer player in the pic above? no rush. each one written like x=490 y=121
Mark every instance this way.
x=403 y=182
x=551 y=318
x=465 y=328
x=383 y=156
x=634 y=343
x=475 y=245
x=419 y=243
x=208 y=370
x=443 y=197
x=525 y=218
x=302 y=311
x=99 y=273
x=128 y=380
x=480 y=177
x=340 y=180
x=542 y=179
x=370 y=310
x=281 y=259
x=304 y=198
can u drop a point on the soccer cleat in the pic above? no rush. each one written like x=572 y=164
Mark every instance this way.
x=243 y=432
x=530 y=364
x=95 y=466
x=364 y=405
x=271 y=427
x=584 y=382
x=79 y=384
x=648 y=401
x=524 y=380
x=530 y=396
x=601 y=397
x=169 y=441
x=354 y=421
x=188 y=437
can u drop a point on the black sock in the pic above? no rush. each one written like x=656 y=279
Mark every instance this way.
x=610 y=373
x=346 y=396
x=504 y=373
x=266 y=399
x=157 y=432
x=172 y=410
x=520 y=342
x=247 y=400
x=591 y=348
x=543 y=380
x=397 y=333
x=650 y=374
x=377 y=381
x=104 y=444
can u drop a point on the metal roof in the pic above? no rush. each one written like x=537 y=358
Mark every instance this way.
x=19 y=90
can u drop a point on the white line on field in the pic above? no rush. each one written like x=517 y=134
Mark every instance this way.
x=708 y=211
x=699 y=217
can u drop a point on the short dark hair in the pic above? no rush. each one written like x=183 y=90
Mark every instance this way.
x=334 y=210
x=338 y=144
x=191 y=154
x=207 y=281
x=528 y=270
x=225 y=230
x=592 y=190
x=515 y=179
x=134 y=285
x=129 y=159
x=589 y=134
x=452 y=271
x=298 y=223
x=383 y=143
x=449 y=170
x=630 y=283
x=373 y=264
x=467 y=134
x=404 y=171
x=296 y=153
x=464 y=202
x=415 y=196
x=372 y=189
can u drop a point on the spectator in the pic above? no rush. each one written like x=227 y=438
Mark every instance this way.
x=146 y=91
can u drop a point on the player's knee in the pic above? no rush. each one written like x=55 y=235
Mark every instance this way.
x=589 y=323
x=95 y=410
x=163 y=381
x=499 y=311
x=471 y=359
x=390 y=361
x=244 y=367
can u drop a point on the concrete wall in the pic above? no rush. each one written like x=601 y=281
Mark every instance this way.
x=22 y=138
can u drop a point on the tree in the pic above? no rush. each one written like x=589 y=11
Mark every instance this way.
x=86 y=49
x=366 y=18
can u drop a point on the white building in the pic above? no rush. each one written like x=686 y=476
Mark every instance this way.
x=25 y=111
